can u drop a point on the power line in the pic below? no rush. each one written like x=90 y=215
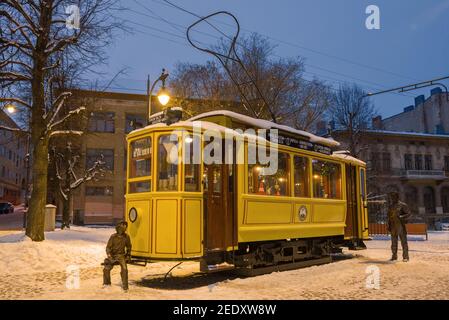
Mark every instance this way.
x=215 y=37
x=170 y=4
x=334 y=81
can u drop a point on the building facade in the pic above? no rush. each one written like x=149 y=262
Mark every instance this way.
x=414 y=164
x=429 y=115
x=12 y=161
x=110 y=117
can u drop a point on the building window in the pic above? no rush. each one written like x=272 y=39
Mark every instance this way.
x=408 y=162
x=375 y=162
x=428 y=165
x=133 y=122
x=263 y=182
x=99 y=191
x=301 y=167
x=94 y=155
x=446 y=163
x=418 y=162
x=386 y=162
x=326 y=179
x=101 y=122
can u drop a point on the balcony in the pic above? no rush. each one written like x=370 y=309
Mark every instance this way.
x=423 y=174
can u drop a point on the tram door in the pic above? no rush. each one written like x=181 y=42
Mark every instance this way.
x=218 y=196
x=351 y=229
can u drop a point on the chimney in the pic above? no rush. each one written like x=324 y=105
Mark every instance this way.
x=435 y=91
x=419 y=100
x=377 y=123
x=409 y=108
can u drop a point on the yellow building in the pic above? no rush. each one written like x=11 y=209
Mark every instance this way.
x=110 y=116
x=12 y=161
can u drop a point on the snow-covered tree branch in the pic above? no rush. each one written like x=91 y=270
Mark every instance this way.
x=66 y=165
x=41 y=60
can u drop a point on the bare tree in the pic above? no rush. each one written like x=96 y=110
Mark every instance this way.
x=352 y=112
x=34 y=35
x=66 y=163
x=309 y=105
x=290 y=98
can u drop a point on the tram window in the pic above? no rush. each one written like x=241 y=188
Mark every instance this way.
x=301 y=165
x=326 y=180
x=141 y=158
x=216 y=183
x=192 y=169
x=206 y=179
x=270 y=185
x=362 y=183
x=139 y=187
x=167 y=164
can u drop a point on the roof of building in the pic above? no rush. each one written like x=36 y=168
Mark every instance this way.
x=7 y=121
x=415 y=106
x=408 y=134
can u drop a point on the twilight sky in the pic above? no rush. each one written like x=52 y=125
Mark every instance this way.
x=412 y=44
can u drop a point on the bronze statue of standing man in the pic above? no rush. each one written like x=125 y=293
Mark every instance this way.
x=119 y=252
x=398 y=213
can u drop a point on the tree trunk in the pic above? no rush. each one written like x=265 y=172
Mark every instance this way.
x=38 y=128
x=66 y=213
x=36 y=212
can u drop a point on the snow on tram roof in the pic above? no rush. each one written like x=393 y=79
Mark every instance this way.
x=265 y=124
x=206 y=125
x=346 y=156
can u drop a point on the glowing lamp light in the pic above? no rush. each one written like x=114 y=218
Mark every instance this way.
x=163 y=96
x=189 y=140
x=10 y=108
x=316 y=176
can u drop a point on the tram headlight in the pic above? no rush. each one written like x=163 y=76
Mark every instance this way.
x=303 y=213
x=132 y=215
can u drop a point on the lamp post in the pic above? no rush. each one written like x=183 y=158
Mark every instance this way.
x=163 y=95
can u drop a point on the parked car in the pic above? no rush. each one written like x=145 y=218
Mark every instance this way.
x=6 y=207
x=442 y=225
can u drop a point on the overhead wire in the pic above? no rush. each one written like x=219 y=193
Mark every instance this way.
x=378 y=86
x=171 y=4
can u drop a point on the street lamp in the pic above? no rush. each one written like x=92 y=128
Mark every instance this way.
x=10 y=108
x=163 y=95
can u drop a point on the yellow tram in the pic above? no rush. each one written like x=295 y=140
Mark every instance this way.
x=232 y=213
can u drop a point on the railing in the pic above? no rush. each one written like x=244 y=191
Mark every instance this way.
x=424 y=173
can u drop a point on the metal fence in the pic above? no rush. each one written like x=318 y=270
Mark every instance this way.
x=377 y=215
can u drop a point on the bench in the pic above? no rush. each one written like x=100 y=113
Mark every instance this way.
x=417 y=229
x=414 y=229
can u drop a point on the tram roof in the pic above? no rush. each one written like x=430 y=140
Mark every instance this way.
x=208 y=124
x=344 y=155
x=265 y=124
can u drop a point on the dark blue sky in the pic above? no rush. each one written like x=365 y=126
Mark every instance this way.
x=412 y=44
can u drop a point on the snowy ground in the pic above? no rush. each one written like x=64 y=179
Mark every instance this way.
x=39 y=271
